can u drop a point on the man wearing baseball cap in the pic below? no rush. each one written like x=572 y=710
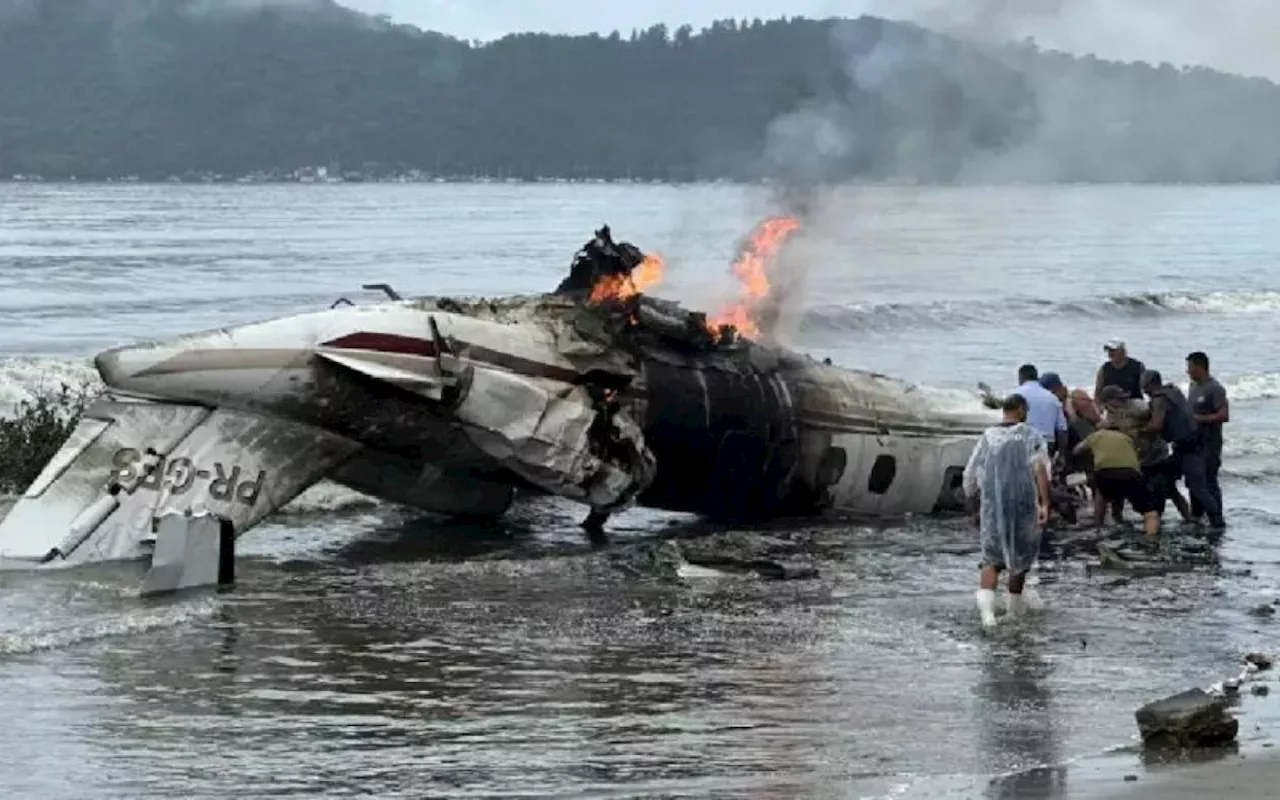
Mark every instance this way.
x=1081 y=413
x=1119 y=370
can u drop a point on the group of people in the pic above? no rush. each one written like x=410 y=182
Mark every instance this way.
x=1132 y=451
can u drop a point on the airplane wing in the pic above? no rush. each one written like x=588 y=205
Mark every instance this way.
x=128 y=461
x=547 y=431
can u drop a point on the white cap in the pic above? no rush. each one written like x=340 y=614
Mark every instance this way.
x=1114 y=344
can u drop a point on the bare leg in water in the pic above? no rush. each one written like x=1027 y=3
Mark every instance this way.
x=1017 y=582
x=990 y=578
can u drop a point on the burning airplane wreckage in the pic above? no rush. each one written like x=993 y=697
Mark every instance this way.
x=595 y=392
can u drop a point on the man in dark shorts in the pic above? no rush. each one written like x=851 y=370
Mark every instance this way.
x=1211 y=410
x=1117 y=475
x=1171 y=418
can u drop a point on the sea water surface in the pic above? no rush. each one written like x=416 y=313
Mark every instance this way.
x=369 y=652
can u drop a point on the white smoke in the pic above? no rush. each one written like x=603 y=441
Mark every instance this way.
x=1235 y=36
x=1078 y=118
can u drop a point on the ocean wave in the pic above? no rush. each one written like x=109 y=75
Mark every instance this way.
x=1245 y=446
x=1248 y=472
x=856 y=317
x=22 y=379
x=38 y=637
x=1254 y=386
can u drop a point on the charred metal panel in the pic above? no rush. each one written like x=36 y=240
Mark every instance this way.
x=725 y=441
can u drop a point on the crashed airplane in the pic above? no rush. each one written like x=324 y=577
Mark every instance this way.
x=596 y=392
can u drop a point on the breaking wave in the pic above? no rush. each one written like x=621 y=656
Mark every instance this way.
x=857 y=317
x=23 y=380
x=52 y=636
x=1256 y=386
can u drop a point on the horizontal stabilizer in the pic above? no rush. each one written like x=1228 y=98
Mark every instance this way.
x=129 y=461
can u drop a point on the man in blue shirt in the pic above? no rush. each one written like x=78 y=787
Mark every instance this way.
x=1044 y=409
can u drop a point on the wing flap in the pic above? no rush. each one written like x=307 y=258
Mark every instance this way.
x=414 y=373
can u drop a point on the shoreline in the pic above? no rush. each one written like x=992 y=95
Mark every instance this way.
x=1248 y=768
x=1248 y=774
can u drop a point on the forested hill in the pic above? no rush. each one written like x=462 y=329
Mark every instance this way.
x=157 y=88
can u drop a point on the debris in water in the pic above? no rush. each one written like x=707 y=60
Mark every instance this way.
x=1260 y=660
x=1264 y=610
x=1261 y=690
x=767 y=557
x=1111 y=560
x=1189 y=719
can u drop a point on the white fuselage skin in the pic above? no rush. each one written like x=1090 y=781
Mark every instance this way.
x=271 y=368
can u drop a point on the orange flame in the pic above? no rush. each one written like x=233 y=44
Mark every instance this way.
x=751 y=269
x=623 y=287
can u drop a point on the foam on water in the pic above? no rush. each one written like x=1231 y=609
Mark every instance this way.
x=1257 y=386
x=21 y=378
x=126 y=623
x=873 y=316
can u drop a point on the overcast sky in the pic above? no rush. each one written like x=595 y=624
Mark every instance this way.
x=1235 y=35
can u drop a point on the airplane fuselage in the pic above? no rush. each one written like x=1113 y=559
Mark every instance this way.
x=452 y=405
x=750 y=436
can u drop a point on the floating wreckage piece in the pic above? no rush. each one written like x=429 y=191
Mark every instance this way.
x=1189 y=719
x=1199 y=717
x=1260 y=661
x=1134 y=555
x=597 y=393
x=736 y=552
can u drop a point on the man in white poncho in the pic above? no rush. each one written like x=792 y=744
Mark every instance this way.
x=1008 y=476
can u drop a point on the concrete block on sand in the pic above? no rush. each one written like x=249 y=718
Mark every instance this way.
x=1192 y=718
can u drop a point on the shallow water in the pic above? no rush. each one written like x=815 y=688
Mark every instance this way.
x=367 y=652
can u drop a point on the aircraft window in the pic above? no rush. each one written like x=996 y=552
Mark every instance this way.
x=952 y=494
x=882 y=474
x=831 y=468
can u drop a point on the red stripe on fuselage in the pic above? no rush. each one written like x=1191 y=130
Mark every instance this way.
x=410 y=345
x=385 y=343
